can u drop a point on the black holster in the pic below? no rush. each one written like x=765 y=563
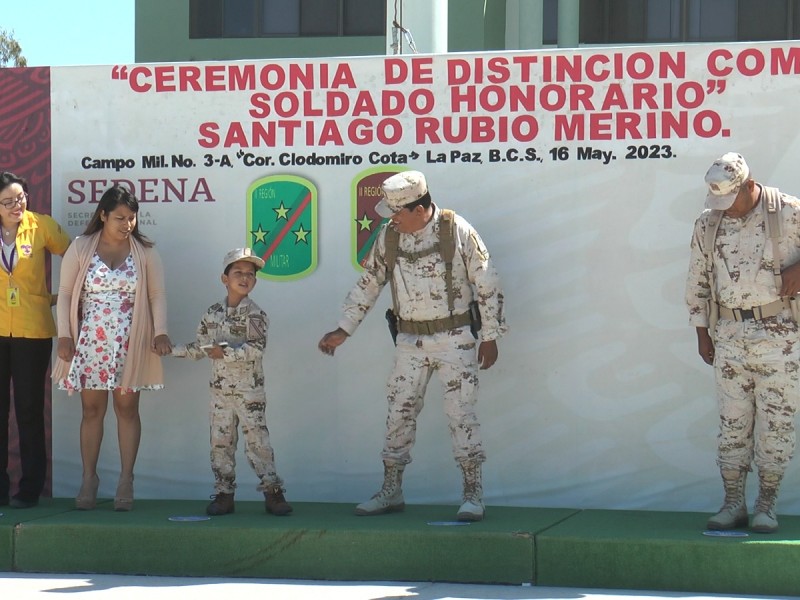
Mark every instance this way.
x=475 y=318
x=391 y=320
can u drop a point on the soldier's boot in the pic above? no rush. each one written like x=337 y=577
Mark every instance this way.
x=221 y=504
x=733 y=513
x=472 y=508
x=764 y=517
x=275 y=502
x=390 y=497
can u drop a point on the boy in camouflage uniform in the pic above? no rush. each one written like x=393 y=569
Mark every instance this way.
x=430 y=336
x=748 y=276
x=233 y=333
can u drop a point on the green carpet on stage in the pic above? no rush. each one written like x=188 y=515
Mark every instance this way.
x=12 y=517
x=541 y=546
x=319 y=541
x=667 y=551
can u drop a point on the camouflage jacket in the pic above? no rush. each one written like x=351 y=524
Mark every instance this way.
x=244 y=329
x=420 y=284
x=742 y=258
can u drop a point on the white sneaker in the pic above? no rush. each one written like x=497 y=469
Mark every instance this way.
x=471 y=511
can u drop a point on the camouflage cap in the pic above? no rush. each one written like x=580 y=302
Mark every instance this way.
x=245 y=254
x=400 y=190
x=724 y=178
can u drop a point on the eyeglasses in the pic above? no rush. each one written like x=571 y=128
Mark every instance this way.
x=13 y=202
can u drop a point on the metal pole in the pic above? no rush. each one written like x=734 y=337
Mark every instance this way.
x=569 y=14
x=531 y=24
x=439 y=30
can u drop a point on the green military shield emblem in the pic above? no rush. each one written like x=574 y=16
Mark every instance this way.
x=365 y=194
x=282 y=226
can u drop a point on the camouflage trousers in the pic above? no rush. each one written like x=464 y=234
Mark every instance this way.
x=756 y=370
x=230 y=409
x=452 y=355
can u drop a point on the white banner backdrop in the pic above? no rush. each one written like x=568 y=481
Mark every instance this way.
x=583 y=172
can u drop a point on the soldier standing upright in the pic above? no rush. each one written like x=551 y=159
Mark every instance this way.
x=233 y=334
x=743 y=280
x=443 y=282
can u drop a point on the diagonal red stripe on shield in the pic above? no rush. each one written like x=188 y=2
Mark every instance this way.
x=286 y=228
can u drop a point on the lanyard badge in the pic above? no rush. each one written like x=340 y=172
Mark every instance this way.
x=12 y=293
x=12 y=297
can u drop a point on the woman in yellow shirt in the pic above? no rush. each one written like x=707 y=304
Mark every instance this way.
x=26 y=334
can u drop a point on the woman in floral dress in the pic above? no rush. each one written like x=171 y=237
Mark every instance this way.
x=112 y=332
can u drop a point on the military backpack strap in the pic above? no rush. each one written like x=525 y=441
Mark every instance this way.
x=390 y=253
x=447 y=247
x=714 y=219
x=391 y=245
x=772 y=207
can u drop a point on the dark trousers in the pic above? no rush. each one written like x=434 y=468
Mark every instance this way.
x=24 y=362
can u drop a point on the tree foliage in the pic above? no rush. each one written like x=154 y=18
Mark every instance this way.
x=10 y=50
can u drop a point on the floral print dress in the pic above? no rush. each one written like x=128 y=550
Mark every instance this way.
x=107 y=313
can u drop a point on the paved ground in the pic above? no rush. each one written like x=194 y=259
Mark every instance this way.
x=25 y=586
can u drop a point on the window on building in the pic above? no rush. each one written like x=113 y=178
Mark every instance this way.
x=319 y=17
x=795 y=21
x=654 y=21
x=280 y=18
x=205 y=19
x=286 y=18
x=364 y=17
x=712 y=20
x=759 y=20
x=663 y=21
x=238 y=18
x=550 y=22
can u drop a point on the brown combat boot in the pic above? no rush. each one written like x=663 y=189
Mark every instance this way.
x=221 y=504
x=274 y=501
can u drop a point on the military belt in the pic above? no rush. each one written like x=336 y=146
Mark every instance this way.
x=434 y=326
x=755 y=312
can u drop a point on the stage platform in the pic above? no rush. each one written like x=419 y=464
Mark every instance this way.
x=605 y=549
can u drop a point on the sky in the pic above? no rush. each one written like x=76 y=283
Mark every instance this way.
x=71 y=32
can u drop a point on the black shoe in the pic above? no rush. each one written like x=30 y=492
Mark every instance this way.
x=17 y=502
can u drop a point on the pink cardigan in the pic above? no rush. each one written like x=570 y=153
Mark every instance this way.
x=142 y=366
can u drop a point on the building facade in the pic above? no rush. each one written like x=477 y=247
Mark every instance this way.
x=250 y=29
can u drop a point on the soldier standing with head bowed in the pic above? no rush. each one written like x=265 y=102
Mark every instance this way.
x=741 y=291
x=443 y=286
